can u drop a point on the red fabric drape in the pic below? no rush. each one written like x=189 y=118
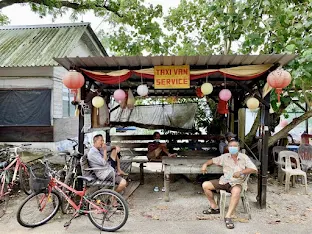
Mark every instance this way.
x=107 y=79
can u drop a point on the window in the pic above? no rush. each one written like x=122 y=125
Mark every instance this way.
x=25 y=107
x=68 y=108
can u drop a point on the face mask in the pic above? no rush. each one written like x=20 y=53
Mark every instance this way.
x=233 y=150
x=157 y=140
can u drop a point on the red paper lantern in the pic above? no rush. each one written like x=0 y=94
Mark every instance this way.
x=222 y=107
x=73 y=80
x=278 y=80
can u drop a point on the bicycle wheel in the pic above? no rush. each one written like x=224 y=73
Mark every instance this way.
x=23 y=172
x=4 y=199
x=115 y=210
x=38 y=208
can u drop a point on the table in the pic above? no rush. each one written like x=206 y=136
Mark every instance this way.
x=184 y=166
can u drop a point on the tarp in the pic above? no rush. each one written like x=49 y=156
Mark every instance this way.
x=175 y=116
x=25 y=107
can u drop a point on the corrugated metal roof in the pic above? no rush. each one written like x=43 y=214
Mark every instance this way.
x=37 y=45
x=194 y=61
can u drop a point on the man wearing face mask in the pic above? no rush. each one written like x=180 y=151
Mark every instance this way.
x=223 y=146
x=236 y=166
x=156 y=149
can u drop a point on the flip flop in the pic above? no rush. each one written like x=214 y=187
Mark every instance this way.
x=211 y=211
x=229 y=223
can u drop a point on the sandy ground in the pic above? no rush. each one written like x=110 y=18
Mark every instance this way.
x=149 y=213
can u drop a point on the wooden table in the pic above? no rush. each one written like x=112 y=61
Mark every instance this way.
x=185 y=166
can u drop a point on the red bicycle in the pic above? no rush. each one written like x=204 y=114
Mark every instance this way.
x=10 y=177
x=106 y=209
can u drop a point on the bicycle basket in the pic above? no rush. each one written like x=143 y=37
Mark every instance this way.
x=39 y=178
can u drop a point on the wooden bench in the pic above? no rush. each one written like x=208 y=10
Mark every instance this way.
x=184 y=166
x=134 y=147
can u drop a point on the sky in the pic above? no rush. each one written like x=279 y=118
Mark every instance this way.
x=22 y=15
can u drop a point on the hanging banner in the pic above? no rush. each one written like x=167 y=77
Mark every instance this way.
x=172 y=77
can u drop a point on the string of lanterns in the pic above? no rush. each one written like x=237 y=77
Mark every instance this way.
x=277 y=79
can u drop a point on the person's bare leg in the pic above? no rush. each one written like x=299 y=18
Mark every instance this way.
x=164 y=149
x=208 y=187
x=115 y=157
x=236 y=190
x=121 y=186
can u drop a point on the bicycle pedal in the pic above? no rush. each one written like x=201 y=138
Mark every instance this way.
x=67 y=224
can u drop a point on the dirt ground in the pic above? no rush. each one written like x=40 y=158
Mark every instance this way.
x=188 y=201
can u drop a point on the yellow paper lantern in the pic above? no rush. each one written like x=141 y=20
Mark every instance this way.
x=252 y=103
x=98 y=101
x=206 y=88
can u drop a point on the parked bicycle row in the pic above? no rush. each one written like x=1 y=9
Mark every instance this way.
x=67 y=189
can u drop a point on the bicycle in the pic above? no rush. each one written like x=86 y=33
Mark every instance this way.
x=7 y=180
x=69 y=173
x=48 y=191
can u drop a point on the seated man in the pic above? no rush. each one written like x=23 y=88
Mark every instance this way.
x=223 y=145
x=156 y=149
x=235 y=167
x=98 y=157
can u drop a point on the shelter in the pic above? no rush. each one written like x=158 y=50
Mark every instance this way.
x=244 y=75
x=34 y=106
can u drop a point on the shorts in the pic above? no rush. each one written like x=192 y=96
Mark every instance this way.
x=227 y=187
x=118 y=178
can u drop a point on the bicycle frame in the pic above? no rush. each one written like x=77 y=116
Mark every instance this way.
x=18 y=163
x=58 y=185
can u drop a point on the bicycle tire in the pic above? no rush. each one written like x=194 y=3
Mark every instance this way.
x=4 y=200
x=24 y=175
x=41 y=222
x=69 y=181
x=122 y=202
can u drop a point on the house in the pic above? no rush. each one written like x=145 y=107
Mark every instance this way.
x=34 y=104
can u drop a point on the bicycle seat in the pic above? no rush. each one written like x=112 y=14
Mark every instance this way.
x=3 y=164
x=86 y=178
x=63 y=153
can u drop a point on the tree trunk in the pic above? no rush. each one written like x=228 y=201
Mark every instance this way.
x=250 y=136
x=284 y=132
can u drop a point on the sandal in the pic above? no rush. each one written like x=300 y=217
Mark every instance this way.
x=229 y=223
x=211 y=211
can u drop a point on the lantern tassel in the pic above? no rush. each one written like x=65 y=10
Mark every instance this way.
x=278 y=92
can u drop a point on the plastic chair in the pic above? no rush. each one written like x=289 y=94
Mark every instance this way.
x=286 y=156
x=224 y=195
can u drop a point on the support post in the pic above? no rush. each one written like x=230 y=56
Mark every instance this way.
x=81 y=122
x=263 y=173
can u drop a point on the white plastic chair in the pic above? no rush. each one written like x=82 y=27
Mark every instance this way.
x=224 y=195
x=286 y=156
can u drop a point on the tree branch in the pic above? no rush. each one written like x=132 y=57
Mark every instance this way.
x=284 y=132
x=68 y=4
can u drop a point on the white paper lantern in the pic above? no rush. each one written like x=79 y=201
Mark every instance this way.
x=98 y=101
x=206 y=88
x=142 y=90
x=252 y=103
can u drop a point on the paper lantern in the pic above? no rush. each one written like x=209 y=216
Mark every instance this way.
x=222 y=107
x=98 y=101
x=252 y=103
x=199 y=93
x=206 y=88
x=119 y=95
x=73 y=80
x=130 y=100
x=278 y=80
x=225 y=95
x=283 y=123
x=142 y=90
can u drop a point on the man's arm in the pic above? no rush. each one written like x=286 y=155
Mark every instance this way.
x=205 y=165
